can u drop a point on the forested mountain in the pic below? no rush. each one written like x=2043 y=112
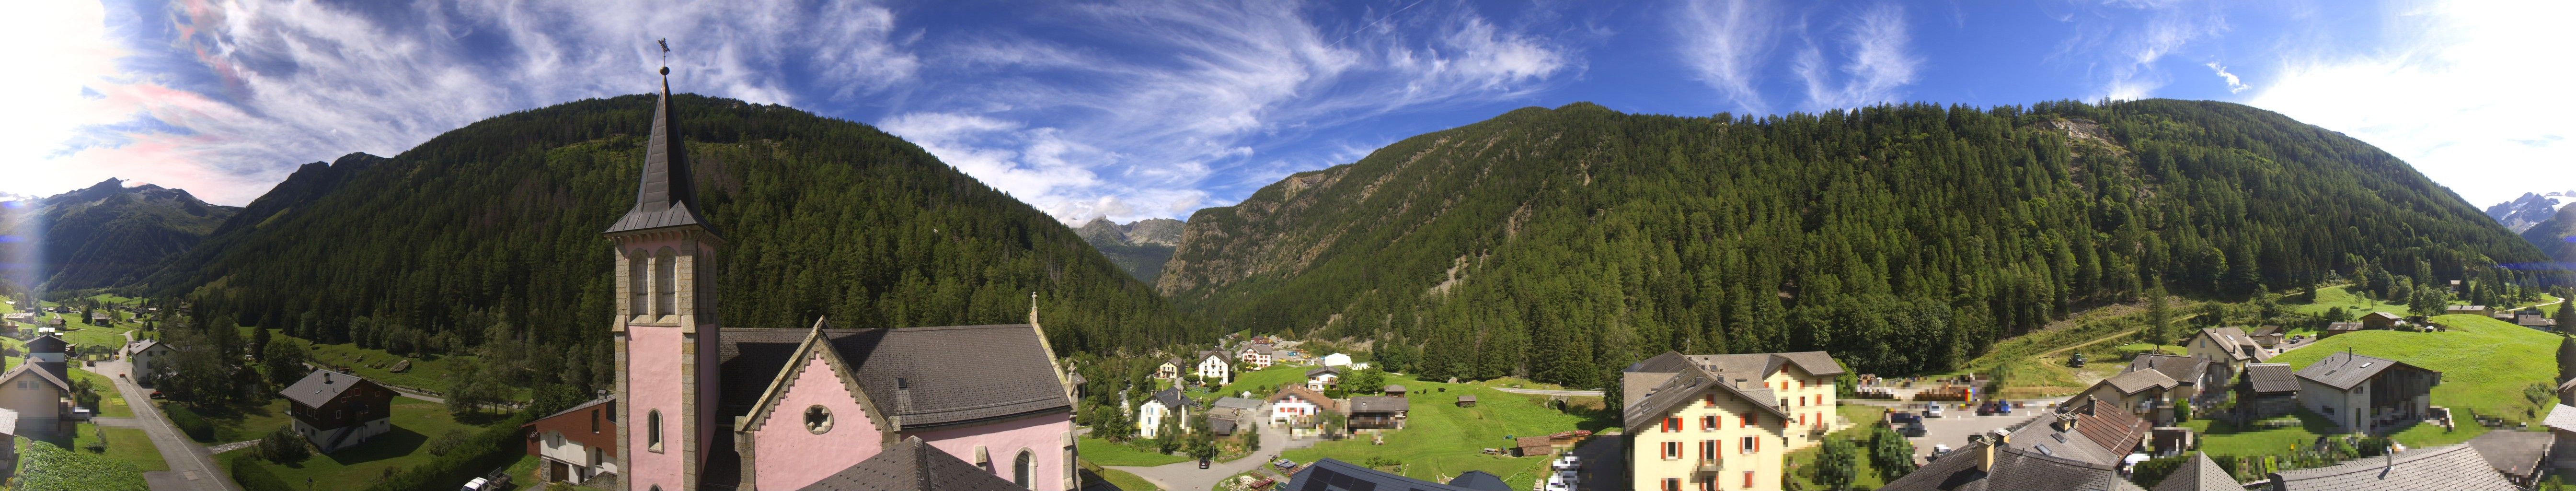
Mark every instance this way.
x=1562 y=244
x=2524 y=212
x=1140 y=247
x=2556 y=237
x=106 y=234
x=492 y=232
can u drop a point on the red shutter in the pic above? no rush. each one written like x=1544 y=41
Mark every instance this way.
x=1748 y=479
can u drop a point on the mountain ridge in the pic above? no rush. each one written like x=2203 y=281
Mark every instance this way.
x=1139 y=247
x=108 y=234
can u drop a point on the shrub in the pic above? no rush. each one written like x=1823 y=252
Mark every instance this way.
x=284 y=446
x=2147 y=474
x=495 y=446
x=44 y=466
x=189 y=422
x=252 y=477
x=447 y=442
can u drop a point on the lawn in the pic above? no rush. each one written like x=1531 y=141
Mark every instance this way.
x=2342 y=296
x=415 y=423
x=1106 y=452
x=247 y=423
x=427 y=373
x=2485 y=363
x=1263 y=383
x=111 y=403
x=1801 y=462
x=130 y=445
x=2219 y=438
x=1126 y=481
x=1441 y=439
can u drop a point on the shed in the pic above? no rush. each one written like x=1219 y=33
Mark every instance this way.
x=1531 y=446
x=1465 y=400
x=1395 y=390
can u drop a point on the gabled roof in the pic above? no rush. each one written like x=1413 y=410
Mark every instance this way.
x=2515 y=453
x=2235 y=342
x=1685 y=387
x=47 y=343
x=2018 y=467
x=1479 y=480
x=2453 y=468
x=2271 y=377
x=2199 y=474
x=912 y=466
x=578 y=407
x=1329 y=474
x=1379 y=404
x=2381 y=315
x=924 y=376
x=1219 y=356
x=2343 y=326
x=2086 y=431
x=2343 y=370
x=1304 y=394
x=140 y=346
x=2139 y=381
x=39 y=373
x=1171 y=398
x=1335 y=370
x=667 y=195
x=2266 y=331
x=321 y=386
x=2185 y=370
x=2562 y=417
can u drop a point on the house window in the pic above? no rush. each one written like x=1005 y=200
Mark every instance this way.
x=1021 y=468
x=653 y=430
x=1672 y=484
x=1748 y=446
x=1710 y=399
x=818 y=419
x=1708 y=423
x=1708 y=450
x=1708 y=485
x=1745 y=422
x=594 y=421
x=1672 y=425
x=1672 y=450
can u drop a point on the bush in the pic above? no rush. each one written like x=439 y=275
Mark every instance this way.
x=252 y=477
x=2153 y=471
x=44 y=466
x=189 y=422
x=284 y=446
x=447 y=442
x=495 y=446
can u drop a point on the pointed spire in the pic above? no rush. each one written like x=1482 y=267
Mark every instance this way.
x=667 y=195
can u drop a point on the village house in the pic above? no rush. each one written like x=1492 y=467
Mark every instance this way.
x=39 y=391
x=2381 y=320
x=1255 y=356
x=2267 y=390
x=1466 y=400
x=2561 y=422
x=718 y=407
x=2080 y=448
x=2536 y=321
x=2199 y=474
x=575 y=445
x=2194 y=382
x=337 y=411
x=2452 y=468
x=1323 y=377
x=2367 y=394
x=2227 y=345
x=1393 y=390
x=1378 y=412
x=1231 y=414
x=2268 y=336
x=1168 y=404
x=142 y=353
x=1171 y=369
x=2141 y=392
x=1723 y=421
x=1213 y=368
x=1298 y=405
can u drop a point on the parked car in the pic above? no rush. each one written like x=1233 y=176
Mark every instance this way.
x=498 y=479
x=1203 y=463
x=1994 y=408
x=1932 y=410
x=1910 y=429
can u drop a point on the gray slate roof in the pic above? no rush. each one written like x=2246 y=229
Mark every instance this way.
x=2017 y=468
x=1684 y=387
x=320 y=387
x=140 y=346
x=1237 y=403
x=2515 y=453
x=1336 y=371
x=2139 y=381
x=1479 y=480
x=2185 y=370
x=2343 y=370
x=955 y=374
x=1171 y=398
x=912 y=466
x=1379 y=404
x=2199 y=474
x=666 y=195
x=1328 y=474
x=2454 y=468
x=2561 y=417
x=2272 y=377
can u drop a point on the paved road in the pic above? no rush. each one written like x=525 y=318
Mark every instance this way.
x=1545 y=392
x=1954 y=429
x=1187 y=476
x=192 y=468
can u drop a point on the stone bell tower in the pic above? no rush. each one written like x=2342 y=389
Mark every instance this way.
x=665 y=331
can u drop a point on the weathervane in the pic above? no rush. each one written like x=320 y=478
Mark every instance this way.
x=666 y=54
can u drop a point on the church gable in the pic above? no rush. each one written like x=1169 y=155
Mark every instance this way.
x=816 y=376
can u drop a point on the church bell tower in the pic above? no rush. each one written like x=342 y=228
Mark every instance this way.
x=665 y=331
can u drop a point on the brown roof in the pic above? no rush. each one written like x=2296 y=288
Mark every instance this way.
x=954 y=374
x=1530 y=441
x=2343 y=370
x=1685 y=387
x=2017 y=467
x=1380 y=404
x=1308 y=395
x=2381 y=315
x=2087 y=431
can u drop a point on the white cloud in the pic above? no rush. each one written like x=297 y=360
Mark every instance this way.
x=2234 y=85
x=303 y=81
x=1725 y=42
x=2121 y=41
x=2469 y=92
x=1880 y=62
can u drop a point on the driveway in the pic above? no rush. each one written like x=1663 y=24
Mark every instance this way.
x=1187 y=476
x=192 y=468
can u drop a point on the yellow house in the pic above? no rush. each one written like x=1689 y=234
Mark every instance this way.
x=1724 y=422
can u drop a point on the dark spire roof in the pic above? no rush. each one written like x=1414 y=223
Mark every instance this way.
x=668 y=196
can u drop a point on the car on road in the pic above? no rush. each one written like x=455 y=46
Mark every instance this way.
x=1203 y=463
x=1932 y=410
x=1995 y=408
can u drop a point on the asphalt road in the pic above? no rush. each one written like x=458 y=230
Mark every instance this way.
x=192 y=468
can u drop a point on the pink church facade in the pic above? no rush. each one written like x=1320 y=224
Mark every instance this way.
x=714 y=408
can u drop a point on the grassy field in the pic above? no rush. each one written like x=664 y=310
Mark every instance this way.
x=248 y=423
x=2485 y=363
x=2219 y=438
x=130 y=445
x=1106 y=452
x=1126 y=481
x=1802 y=462
x=427 y=373
x=1263 y=383
x=415 y=423
x=111 y=403
x=1442 y=439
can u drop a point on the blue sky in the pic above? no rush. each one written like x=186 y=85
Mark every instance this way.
x=1139 y=109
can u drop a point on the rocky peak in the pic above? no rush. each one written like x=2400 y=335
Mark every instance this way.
x=2524 y=212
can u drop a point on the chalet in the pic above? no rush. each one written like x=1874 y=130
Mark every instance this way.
x=2367 y=394
x=2226 y=344
x=1295 y=404
x=2268 y=336
x=336 y=410
x=101 y=317
x=2267 y=390
x=2466 y=309
x=1171 y=369
x=1323 y=377
x=2536 y=321
x=2080 y=447
x=1215 y=367
x=40 y=390
x=142 y=353
x=1393 y=391
x=1723 y=421
x=1330 y=474
x=2452 y=468
x=2334 y=328
x=1229 y=413
x=2381 y=320
x=1466 y=400
x=2141 y=392
x=1255 y=356
x=576 y=445
x=1378 y=412
x=2561 y=422
x=2194 y=381
x=1168 y=404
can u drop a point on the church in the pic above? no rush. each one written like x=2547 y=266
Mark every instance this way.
x=707 y=407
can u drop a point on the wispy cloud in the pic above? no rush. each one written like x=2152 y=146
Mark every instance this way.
x=1725 y=43
x=1879 y=62
x=295 y=82
x=2121 y=41
x=2233 y=84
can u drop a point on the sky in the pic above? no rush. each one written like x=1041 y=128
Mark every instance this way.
x=1149 y=108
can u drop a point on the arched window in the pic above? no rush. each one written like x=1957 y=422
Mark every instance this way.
x=637 y=271
x=666 y=267
x=653 y=430
x=1022 y=467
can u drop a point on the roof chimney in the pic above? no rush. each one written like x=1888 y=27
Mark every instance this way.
x=1986 y=457
x=902 y=395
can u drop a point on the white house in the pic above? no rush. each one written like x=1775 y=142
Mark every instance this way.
x=1213 y=366
x=1255 y=356
x=1323 y=377
x=1336 y=359
x=576 y=445
x=2367 y=394
x=142 y=353
x=1165 y=404
x=1296 y=404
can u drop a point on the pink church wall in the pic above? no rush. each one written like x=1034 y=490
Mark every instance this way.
x=653 y=384
x=789 y=456
x=1043 y=436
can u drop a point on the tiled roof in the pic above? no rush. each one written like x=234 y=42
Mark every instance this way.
x=2452 y=468
x=2272 y=377
x=953 y=374
x=1379 y=404
x=1328 y=474
x=2344 y=370
x=2199 y=474
x=1302 y=393
x=2017 y=467
x=2100 y=433
x=2184 y=370
x=2561 y=417
x=912 y=466
x=1685 y=387
x=2140 y=381
x=667 y=194
x=320 y=387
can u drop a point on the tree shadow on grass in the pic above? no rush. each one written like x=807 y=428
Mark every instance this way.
x=480 y=418
x=394 y=444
